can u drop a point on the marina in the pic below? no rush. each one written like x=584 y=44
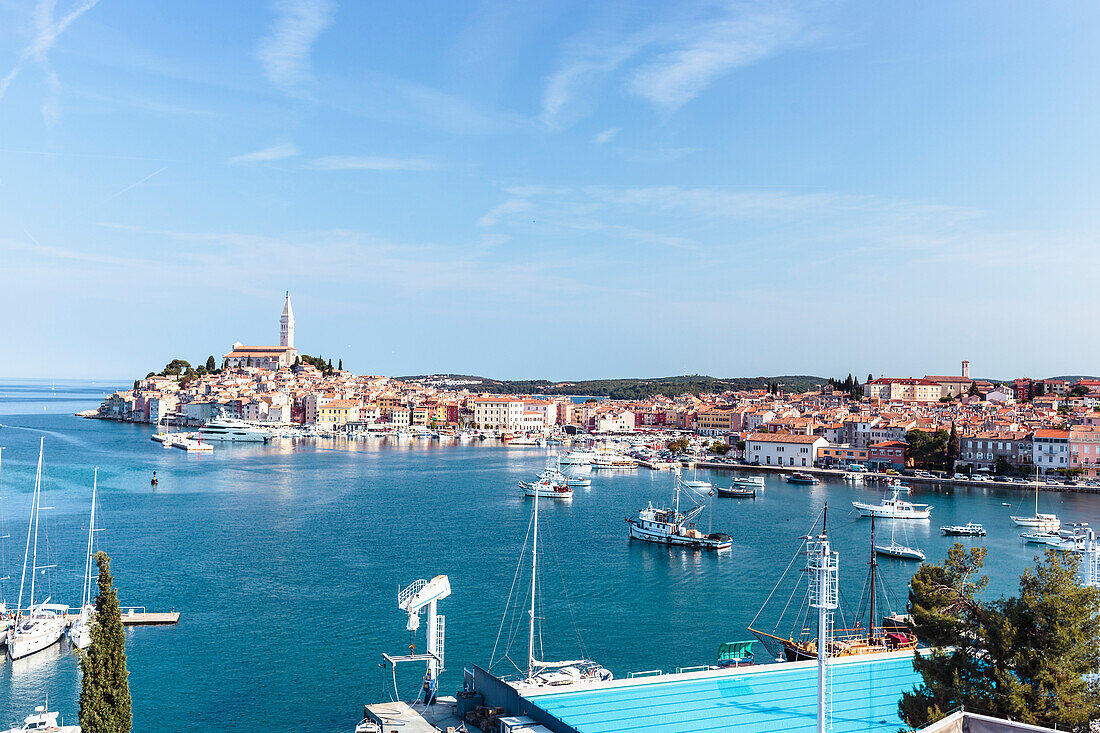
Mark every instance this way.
x=285 y=504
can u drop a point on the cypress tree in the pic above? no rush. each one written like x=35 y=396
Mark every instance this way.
x=105 y=687
x=341 y=365
x=211 y=365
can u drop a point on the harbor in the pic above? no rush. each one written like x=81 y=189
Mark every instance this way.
x=293 y=518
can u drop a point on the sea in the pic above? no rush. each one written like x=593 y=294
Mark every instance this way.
x=285 y=560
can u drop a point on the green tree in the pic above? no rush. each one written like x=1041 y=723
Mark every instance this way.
x=720 y=448
x=951 y=450
x=679 y=445
x=211 y=365
x=1023 y=657
x=105 y=687
x=340 y=366
x=1079 y=391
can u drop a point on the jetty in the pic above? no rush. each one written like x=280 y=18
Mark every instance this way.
x=138 y=616
x=411 y=717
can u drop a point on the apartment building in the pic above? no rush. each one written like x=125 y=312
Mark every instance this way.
x=778 y=449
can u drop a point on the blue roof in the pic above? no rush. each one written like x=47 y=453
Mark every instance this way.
x=770 y=698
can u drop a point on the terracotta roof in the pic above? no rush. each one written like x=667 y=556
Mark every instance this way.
x=783 y=438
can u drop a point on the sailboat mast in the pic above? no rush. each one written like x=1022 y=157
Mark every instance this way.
x=534 y=580
x=30 y=525
x=88 y=557
x=874 y=569
x=37 y=510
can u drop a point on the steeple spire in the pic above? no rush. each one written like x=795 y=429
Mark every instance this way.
x=286 y=324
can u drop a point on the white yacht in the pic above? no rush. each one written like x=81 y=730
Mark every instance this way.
x=80 y=631
x=894 y=508
x=42 y=720
x=579 y=457
x=232 y=430
x=670 y=526
x=43 y=625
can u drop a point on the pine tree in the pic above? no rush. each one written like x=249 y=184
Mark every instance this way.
x=105 y=687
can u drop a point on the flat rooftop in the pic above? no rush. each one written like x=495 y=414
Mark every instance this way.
x=766 y=698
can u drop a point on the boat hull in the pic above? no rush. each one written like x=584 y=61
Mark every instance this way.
x=901 y=553
x=24 y=644
x=867 y=510
x=663 y=538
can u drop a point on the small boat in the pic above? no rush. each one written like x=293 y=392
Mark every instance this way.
x=736 y=492
x=970 y=529
x=43 y=720
x=550 y=485
x=1039 y=537
x=1041 y=522
x=853 y=477
x=894 y=508
x=803 y=478
x=578 y=482
x=747 y=482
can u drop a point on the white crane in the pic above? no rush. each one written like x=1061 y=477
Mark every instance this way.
x=414 y=599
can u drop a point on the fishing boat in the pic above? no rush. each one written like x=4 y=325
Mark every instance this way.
x=970 y=529
x=1038 y=521
x=803 y=478
x=548 y=486
x=670 y=526
x=80 y=631
x=43 y=624
x=894 y=507
x=43 y=721
x=857 y=640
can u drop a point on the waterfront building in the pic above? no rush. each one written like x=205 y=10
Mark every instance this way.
x=984 y=449
x=779 y=449
x=888 y=454
x=715 y=421
x=337 y=413
x=841 y=455
x=268 y=357
x=498 y=413
x=1084 y=449
x=1051 y=450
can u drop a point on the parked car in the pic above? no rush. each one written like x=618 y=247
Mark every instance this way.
x=1019 y=480
x=960 y=476
x=1002 y=479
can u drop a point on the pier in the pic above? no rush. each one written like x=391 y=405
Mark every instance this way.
x=138 y=616
x=411 y=718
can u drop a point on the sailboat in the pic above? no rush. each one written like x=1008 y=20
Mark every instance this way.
x=1041 y=522
x=894 y=549
x=80 y=632
x=541 y=673
x=7 y=618
x=44 y=624
x=889 y=636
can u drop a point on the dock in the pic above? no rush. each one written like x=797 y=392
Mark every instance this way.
x=413 y=718
x=138 y=616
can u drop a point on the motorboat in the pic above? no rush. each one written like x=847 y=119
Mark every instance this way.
x=970 y=529
x=670 y=526
x=232 y=430
x=614 y=462
x=853 y=477
x=894 y=507
x=579 y=457
x=803 y=478
x=44 y=721
x=747 y=482
x=551 y=484
x=578 y=482
x=1040 y=537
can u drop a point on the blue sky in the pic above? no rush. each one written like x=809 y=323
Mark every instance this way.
x=556 y=189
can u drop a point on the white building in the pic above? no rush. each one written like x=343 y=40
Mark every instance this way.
x=498 y=413
x=781 y=449
x=1050 y=450
x=617 y=421
x=311 y=406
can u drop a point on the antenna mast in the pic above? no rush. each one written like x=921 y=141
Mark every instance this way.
x=821 y=565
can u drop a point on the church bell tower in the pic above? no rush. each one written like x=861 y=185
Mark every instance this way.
x=286 y=325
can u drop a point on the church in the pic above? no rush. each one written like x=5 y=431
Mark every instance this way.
x=268 y=357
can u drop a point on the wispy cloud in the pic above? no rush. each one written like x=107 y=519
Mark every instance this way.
x=502 y=210
x=281 y=151
x=603 y=138
x=712 y=48
x=47 y=30
x=284 y=51
x=369 y=163
x=670 y=61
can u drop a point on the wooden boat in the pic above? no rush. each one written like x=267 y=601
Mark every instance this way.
x=887 y=636
x=735 y=492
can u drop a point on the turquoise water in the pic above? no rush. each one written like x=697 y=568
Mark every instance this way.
x=285 y=561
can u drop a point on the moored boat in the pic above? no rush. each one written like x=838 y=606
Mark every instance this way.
x=899 y=551
x=735 y=492
x=894 y=507
x=44 y=721
x=670 y=526
x=803 y=478
x=970 y=529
